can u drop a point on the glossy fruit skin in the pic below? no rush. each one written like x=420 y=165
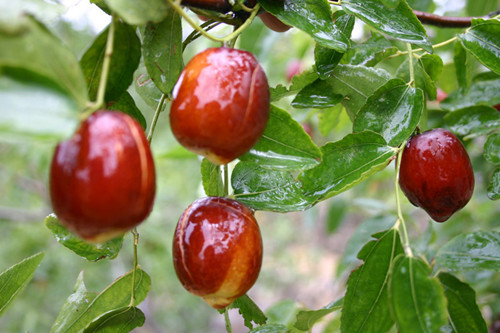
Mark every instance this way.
x=273 y=23
x=102 y=180
x=217 y=250
x=220 y=104
x=436 y=173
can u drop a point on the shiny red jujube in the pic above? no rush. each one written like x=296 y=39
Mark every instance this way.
x=436 y=173
x=220 y=104
x=102 y=180
x=217 y=250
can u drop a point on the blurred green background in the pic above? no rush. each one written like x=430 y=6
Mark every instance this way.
x=307 y=255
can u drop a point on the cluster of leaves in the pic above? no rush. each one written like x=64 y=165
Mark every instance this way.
x=287 y=171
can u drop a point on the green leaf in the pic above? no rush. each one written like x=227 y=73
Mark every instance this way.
x=426 y=70
x=126 y=104
x=249 y=310
x=492 y=148
x=393 y=111
x=465 y=315
x=366 y=306
x=316 y=95
x=311 y=16
x=307 y=318
x=474 y=251
x=124 y=61
x=482 y=39
x=139 y=12
x=92 y=252
x=398 y=22
x=346 y=163
x=463 y=67
x=480 y=93
x=162 y=50
x=494 y=185
x=146 y=88
x=271 y=328
x=211 y=176
x=326 y=59
x=473 y=121
x=362 y=234
x=298 y=82
x=284 y=144
x=371 y=52
x=82 y=308
x=417 y=300
x=16 y=278
x=122 y=320
x=38 y=52
x=265 y=189
x=356 y=84
x=329 y=118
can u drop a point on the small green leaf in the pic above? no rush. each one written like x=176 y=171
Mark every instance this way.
x=494 y=185
x=124 y=61
x=356 y=84
x=481 y=92
x=284 y=144
x=82 y=308
x=326 y=59
x=266 y=189
x=122 y=320
x=366 y=306
x=393 y=111
x=92 y=252
x=146 y=88
x=371 y=52
x=298 y=82
x=398 y=22
x=346 y=163
x=465 y=315
x=317 y=95
x=16 y=278
x=492 y=148
x=211 y=176
x=329 y=118
x=249 y=310
x=271 y=328
x=473 y=251
x=426 y=71
x=463 y=67
x=311 y=16
x=482 y=39
x=126 y=104
x=162 y=51
x=307 y=318
x=362 y=235
x=136 y=12
x=473 y=121
x=417 y=300
x=36 y=51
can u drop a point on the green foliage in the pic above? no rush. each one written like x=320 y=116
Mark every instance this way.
x=363 y=97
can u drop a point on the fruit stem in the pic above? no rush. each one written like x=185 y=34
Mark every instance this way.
x=410 y=63
x=156 y=116
x=401 y=220
x=226 y=180
x=103 y=80
x=196 y=27
x=136 y=242
x=229 y=329
x=206 y=26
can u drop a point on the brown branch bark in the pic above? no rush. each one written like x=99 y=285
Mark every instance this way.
x=447 y=21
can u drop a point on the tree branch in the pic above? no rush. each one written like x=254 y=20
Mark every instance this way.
x=447 y=21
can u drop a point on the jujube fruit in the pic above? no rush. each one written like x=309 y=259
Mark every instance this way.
x=436 y=173
x=102 y=180
x=220 y=104
x=217 y=250
x=273 y=23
